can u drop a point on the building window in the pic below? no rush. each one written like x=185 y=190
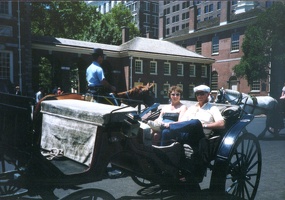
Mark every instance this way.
x=206 y=9
x=218 y=5
x=175 y=8
x=6 y=31
x=204 y=71
x=191 y=92
x=166 y=87
x=155 y=8
x=146 y=18
x=192 y=71
x=154 y=89
x=167 y=68
x=155 y=20
x=215 y=45
x=185 y=15
x=6 y=62
x=255 y=86
x=235 y=42
x=147 y=6
x=5 y=8
x=180 y=69
x=138 y=66
x=198 y=11
x=168 y=21
x=214 y=83
x=167 y=31
x=175 y=18
x=233 y=83
x=185 y=25
x=211 y=8
x=153 y=67
x=166 y=11
x=198 y=47
x=185 y=4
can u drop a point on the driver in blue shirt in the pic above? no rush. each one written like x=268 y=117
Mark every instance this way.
x=95 y=75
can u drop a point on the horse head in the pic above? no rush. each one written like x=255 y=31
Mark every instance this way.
x=139 y=93
x=220 y=98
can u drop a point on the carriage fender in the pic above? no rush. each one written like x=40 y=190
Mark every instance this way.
x=231 y=136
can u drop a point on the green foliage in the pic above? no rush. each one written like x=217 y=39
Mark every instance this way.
x=108 y=29
x=62 y=18
x=263 y=43
x=45 y=74
x=76 y=20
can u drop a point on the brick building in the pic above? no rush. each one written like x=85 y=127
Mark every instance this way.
x=219 y=37
x=15 y=45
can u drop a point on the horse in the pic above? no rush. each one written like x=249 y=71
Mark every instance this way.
x=256 y=106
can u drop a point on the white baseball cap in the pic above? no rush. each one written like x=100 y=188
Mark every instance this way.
x=203 y=88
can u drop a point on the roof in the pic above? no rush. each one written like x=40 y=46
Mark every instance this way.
x=157 y=47
x=137 y=47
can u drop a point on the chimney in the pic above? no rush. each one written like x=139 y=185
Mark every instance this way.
x=192 y=19
x=225 y=12
x=161 y=27
x=125 y=34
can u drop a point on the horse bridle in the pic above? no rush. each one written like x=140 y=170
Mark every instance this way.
x=239 y=99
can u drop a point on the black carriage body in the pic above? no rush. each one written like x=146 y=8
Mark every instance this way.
x=126 y=143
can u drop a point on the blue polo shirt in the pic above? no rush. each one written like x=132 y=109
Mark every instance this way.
x=94 y=75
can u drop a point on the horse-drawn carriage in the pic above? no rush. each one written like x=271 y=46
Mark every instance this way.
x=79 y=139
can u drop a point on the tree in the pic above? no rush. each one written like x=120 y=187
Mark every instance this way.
x=108 y=29
x=76 y=20
x=62 y=19
x=264 y=43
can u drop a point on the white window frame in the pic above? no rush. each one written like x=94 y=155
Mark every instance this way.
x=9 y=10
x=165 y=70
x=255 y=86
x=138 y=66
x=192 y=67
x=215 y=45
x=166 y=87
x=180 y=68
x=204 y=71
x=154 y=89
x=191 y=92
x=153 y=65
x=235 y=42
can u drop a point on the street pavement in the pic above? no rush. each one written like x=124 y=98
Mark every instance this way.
x=271 y=187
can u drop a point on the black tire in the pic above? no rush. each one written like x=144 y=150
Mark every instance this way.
x=89 y=194
x=239 y=175
x=142 y=182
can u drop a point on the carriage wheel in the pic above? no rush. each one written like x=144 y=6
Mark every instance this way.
x=142 y=182
x=10 y=187
x=243 y=170
x=89 y=194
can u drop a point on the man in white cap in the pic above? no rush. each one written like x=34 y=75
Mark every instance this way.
x=197 y=121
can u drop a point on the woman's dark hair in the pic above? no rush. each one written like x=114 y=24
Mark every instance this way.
x=175 y=88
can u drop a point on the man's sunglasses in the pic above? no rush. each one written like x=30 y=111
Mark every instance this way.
x=200 y=93
x=177 y=94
